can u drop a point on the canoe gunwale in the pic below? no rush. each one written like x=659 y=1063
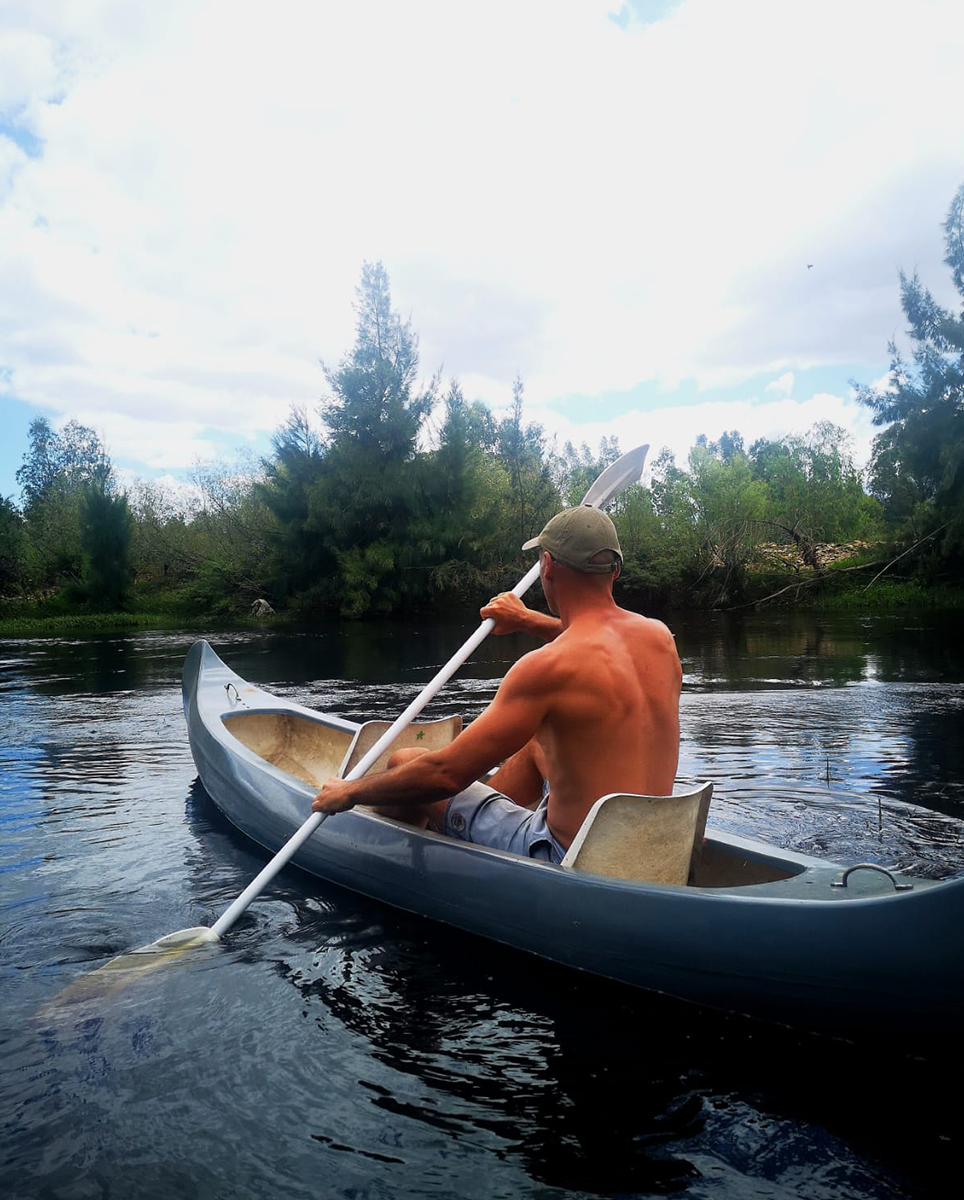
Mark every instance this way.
x=795 y=863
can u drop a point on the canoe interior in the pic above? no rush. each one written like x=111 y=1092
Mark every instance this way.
x=721 y=865
x=312 y=751
x=309 y=750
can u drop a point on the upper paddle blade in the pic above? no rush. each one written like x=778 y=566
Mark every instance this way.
x=617 y=477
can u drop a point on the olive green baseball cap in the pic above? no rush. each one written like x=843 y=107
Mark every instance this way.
x=576 y=535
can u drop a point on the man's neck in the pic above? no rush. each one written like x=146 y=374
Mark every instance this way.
x=581 y=605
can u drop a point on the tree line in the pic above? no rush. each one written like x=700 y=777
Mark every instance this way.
x=396 y=494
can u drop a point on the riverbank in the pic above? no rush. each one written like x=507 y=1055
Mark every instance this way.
x=834 y=592
x=32 y=625
x=36 y=624
x=158 y=610
x=861 y=595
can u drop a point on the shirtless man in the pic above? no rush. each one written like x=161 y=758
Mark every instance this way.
x=594 y=711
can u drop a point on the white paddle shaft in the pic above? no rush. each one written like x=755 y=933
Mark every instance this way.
x=301 y=835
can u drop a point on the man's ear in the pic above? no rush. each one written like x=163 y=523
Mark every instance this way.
x=547 y=564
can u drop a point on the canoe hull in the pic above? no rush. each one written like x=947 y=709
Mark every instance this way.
x=793 y=949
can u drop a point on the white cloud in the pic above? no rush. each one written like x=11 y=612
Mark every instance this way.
x=882 y=384
x=165 y=493
x=677 y=427
x=28 y=72
x=590 y=206
x=154 y=441
x=783 y=385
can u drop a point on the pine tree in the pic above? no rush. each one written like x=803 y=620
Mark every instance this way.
x=465 y=489
x=107 y=534
x=522 y=451
x=299 y=555
x=368 y=501
x=11 y=546
x=376 y=410
x=918 y=461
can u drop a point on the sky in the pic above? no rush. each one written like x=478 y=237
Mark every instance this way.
x=669 y=217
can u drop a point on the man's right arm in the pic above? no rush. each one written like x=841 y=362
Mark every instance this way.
x=513 y=717
x=512 y=616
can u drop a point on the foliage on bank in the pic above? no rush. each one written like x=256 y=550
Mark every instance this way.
x=397 y=495
x=918 y=463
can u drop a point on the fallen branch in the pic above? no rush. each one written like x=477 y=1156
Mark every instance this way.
x=817 y=577
x=900 y=556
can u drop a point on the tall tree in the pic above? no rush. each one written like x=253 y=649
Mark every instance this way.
x=466 y=490
x=368 y=498
x=61 y=462
x=298 y=553
x=376 y=409
x=728 y=504
x=12 y=546
x=814 y=490
x=57 y=469
x=41 y=464
x=522 y=451
x=918 y=462
x=106 y=542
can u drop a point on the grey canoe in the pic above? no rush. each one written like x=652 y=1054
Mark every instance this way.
x=763 y=931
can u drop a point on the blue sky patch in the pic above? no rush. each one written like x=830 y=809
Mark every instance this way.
x=15 y=418
x=643 y=12
x=31 y=146
x=652 y=395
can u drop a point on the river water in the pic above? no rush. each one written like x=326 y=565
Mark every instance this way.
x=333 y=1047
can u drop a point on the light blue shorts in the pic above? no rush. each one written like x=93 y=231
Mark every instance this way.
x=488 y=818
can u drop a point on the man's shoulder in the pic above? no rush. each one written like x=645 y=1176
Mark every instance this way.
x=545 y=668
x=657 y=629
x=632 y=630
x=649 y=626
x=534 y=663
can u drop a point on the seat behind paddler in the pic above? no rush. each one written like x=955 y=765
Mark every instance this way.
x=423 y=735
x=652 y=839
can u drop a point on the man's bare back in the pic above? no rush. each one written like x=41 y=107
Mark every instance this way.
x=594 y=711
x=612 y=724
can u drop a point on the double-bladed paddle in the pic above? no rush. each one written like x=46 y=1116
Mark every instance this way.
x=614 y=479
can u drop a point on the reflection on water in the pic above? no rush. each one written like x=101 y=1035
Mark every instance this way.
x=334 y=1047
x=784 y=649
x=591 y=1088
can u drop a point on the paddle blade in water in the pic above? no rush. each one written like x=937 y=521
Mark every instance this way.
x=156 y=954
x=129 y=967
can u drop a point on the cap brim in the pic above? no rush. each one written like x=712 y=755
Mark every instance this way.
x=531 y=544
